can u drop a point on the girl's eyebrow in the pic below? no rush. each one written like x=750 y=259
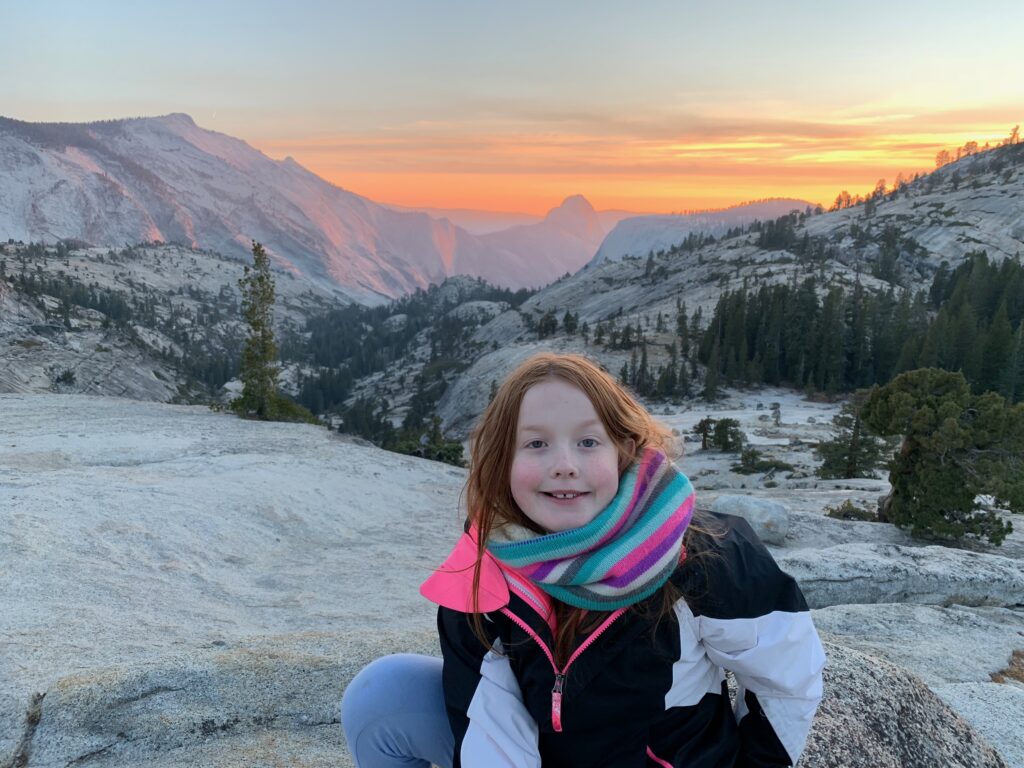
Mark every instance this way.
x=585 y=425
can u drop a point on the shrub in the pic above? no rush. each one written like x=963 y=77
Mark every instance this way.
x=752 y=460
x=850 y=511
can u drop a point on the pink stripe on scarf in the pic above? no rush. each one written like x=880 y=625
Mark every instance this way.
x=666 y=531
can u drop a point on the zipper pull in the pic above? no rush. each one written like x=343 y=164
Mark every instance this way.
x=556 y=702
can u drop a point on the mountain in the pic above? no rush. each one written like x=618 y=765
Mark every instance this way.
x=895 y=245
x=639 y=235
x=566 y=238
x=162 y=322
x=166 y=179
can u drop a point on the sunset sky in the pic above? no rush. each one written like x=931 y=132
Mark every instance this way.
x=644 y=106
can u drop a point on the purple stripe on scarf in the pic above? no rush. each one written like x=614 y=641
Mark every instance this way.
x=539 y=571
x=649 y=560
x=647 y=470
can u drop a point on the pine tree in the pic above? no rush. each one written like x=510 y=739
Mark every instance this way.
x=955 y=447
x=997 y=359
x=711 y=374
x=259 y=370
x=704 y=428
x=683 y=380
x=569 y=322
x=727 y=436
x=643 y=373
x=854 y=451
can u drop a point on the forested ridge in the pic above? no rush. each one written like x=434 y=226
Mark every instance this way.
x=837 y=340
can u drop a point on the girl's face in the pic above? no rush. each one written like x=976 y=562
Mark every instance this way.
x=565 y=469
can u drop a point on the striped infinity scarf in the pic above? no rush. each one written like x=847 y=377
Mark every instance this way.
x=619 y=558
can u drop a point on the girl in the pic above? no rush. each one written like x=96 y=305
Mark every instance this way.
x=586 y=619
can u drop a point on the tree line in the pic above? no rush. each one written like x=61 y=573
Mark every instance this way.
x=833 y=340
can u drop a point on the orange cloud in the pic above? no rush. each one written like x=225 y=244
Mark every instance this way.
x=664 y=163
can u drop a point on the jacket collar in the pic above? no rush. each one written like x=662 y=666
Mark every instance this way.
x=451 y=585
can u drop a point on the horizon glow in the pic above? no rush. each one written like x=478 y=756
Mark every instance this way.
x=662 y=107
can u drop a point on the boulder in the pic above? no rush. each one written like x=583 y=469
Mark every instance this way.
x=891 y=573
x=769 y=519
x=876 y=715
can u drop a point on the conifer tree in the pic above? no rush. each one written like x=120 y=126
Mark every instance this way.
x=997 y=358
x=643 y=373
x=569 y=322
x=854 y=451
x=704 y=428
x=955 y=447
x=683 y=331
x=711 y=374
x=683 y=380
x=727 y=436
x=259 y=370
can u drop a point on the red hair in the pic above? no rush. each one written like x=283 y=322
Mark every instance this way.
x=492 y=448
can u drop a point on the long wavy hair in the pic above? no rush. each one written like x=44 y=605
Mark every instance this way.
x=492 y=447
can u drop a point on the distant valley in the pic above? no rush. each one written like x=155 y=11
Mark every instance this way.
x=161 y=322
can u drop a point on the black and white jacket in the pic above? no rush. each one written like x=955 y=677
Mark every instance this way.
x=633 y=694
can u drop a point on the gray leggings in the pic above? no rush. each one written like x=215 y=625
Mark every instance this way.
x=394 y=716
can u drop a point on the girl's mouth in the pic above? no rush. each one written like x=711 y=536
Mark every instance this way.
x=564 y=495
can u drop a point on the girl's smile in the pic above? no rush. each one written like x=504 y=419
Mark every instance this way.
x=565 y=470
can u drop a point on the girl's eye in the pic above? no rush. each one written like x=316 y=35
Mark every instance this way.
x=535 y=444
x=588 y=442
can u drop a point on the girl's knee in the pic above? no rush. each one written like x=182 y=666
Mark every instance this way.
x=384 y=682
x=394 y=707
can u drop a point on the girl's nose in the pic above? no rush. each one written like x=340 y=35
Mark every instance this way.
x=564 y=466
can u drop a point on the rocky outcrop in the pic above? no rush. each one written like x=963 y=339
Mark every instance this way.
x=929 y=640
x=186 y=588
x=890 y=573
x=274 y=701
x=271 y=701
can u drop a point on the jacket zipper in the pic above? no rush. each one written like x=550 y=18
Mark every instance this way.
x=560 y=675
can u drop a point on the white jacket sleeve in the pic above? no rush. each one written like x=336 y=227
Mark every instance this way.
x=779 y=659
